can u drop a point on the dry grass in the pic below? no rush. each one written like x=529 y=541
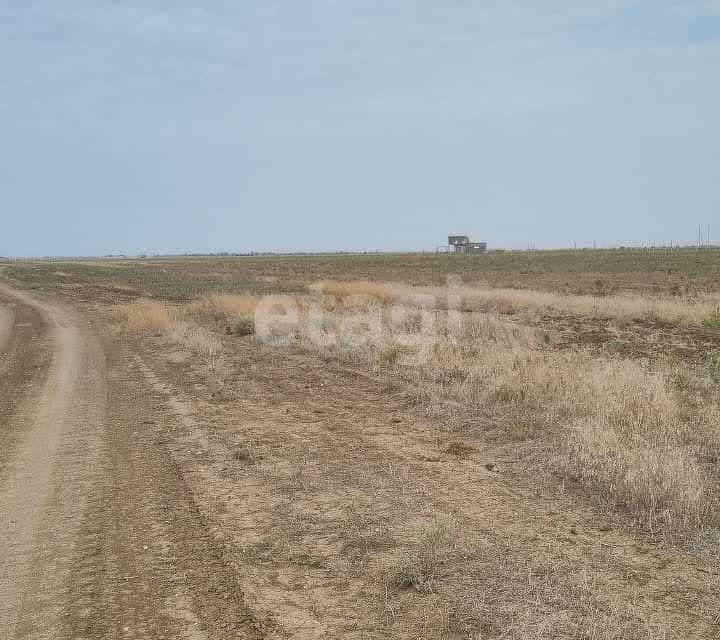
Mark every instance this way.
x=204 y=343
x=223 y=307
x=163 y=320
x=356 y=289
x=635 y=436
x=146 y=316
x=641 y=439
x=676 y=311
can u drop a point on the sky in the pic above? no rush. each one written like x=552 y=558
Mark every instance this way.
x=170 y=127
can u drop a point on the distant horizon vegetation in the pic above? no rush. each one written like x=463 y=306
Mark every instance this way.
x=279 y=253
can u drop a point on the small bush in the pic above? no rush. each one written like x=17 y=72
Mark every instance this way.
x=244 y=327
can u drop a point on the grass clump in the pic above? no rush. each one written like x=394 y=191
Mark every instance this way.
x=245 y=326
x=419 y=568
x=405 y=572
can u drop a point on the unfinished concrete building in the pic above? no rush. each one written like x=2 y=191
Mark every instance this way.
x=463 y=244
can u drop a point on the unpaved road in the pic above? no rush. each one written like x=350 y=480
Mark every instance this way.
x=99 y=535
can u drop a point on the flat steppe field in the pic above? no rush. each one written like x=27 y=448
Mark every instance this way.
x=511 y=445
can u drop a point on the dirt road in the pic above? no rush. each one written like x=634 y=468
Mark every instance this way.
x=99 y=535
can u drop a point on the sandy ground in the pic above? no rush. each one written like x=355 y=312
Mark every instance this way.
x=99 y=537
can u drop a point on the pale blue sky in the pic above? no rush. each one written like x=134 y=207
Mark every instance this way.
x=366 y=124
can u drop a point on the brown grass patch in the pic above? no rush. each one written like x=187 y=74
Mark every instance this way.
x=665 y=310
x=357 y=289
x=146 y=316
x=224 y=307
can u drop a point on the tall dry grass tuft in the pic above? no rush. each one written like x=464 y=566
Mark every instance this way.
x=356 y=289
x=146 y=316
x=223 y=307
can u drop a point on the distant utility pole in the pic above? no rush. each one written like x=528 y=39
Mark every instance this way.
x=704 y=236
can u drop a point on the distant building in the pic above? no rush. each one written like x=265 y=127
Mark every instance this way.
x=463 y=244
